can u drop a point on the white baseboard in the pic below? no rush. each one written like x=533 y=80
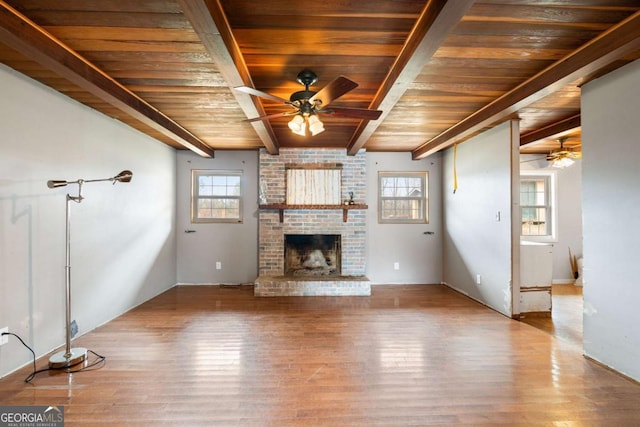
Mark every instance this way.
x=214 y=284
x=401 y=283
x=460 y=291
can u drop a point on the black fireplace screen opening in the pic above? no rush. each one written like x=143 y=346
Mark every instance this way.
x=312 y=255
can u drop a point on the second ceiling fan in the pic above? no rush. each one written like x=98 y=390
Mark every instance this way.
x=307 y=104
x=563 y=157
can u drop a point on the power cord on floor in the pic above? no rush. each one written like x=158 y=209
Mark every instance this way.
x=30 y=377
x=96 y=364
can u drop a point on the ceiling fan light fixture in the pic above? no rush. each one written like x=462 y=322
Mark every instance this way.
x=297 y=125
x=309 y=103
x=562 y=162
x=315 y=125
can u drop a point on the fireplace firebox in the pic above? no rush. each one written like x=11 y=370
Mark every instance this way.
x=312 y=255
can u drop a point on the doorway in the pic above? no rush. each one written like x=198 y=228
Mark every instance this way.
x=565 y=321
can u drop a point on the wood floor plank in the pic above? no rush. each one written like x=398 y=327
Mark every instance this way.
x=407 y=355
x=566 y=315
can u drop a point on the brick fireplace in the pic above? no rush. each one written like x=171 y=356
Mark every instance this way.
x=336 y=266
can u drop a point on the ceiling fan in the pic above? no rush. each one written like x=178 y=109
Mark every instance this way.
x=559 y=158
x=562 y=157
x=307 y=104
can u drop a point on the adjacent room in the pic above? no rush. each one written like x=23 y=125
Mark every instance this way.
x=331 y=214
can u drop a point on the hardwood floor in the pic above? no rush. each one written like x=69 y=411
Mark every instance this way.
x=407 y=355
x=566 y=318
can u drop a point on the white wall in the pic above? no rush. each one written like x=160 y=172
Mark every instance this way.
x=419 y=255
x=569 y=207
x=122 y=236
x=611 y=206
x=475 y=242
x=235 y=246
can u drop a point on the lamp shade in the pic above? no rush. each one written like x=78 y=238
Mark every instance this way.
x=56 y=183
x=124 y=176
x=297 y=125
x=315 y=125
x=562 y=162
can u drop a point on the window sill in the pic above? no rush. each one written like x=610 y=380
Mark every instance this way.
x=538 y=239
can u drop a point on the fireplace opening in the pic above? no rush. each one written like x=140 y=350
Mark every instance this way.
x=312 y=255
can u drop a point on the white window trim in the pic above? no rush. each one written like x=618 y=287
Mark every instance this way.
x=425 y=196
x=553 y=191
x=195 y=173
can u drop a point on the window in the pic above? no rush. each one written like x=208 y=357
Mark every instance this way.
x=216 y=196
x=402 y=197
x=537 y=206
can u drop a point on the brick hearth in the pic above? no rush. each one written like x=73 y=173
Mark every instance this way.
x=266 y=286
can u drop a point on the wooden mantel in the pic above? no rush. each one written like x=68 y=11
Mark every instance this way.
x=281 y=207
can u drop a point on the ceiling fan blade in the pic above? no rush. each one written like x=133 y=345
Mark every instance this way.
x=256 y=92
x=357 y=113
x=270 y=116
x=533 y=160
x=335 y=89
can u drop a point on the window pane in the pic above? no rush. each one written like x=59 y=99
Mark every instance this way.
x=233 y=186
x=226 y=208
x=534 y=222
x=402 y=209
x=219 y=185
x=527 y=193
x=218 y=180
x=204 y=185
x=533 y=193
x=401 y=186
x=219 y=208
x=205 y=208
x=205 y=180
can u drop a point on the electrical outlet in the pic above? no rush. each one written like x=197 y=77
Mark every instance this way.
x=4 y=338
x=74 y=329
x=396 y=265
x=218 y=265
x=478 y=279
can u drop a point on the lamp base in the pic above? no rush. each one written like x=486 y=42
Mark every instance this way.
x=64 y=359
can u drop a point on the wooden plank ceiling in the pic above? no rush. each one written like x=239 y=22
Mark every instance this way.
x=440 y=71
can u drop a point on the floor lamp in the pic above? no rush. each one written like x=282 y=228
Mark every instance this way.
x=73 y=356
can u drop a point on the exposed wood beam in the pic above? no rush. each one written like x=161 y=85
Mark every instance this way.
x=24 y=36
x=212 y=26
x=436 y=20
x=550 y=130
x=609 y=46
